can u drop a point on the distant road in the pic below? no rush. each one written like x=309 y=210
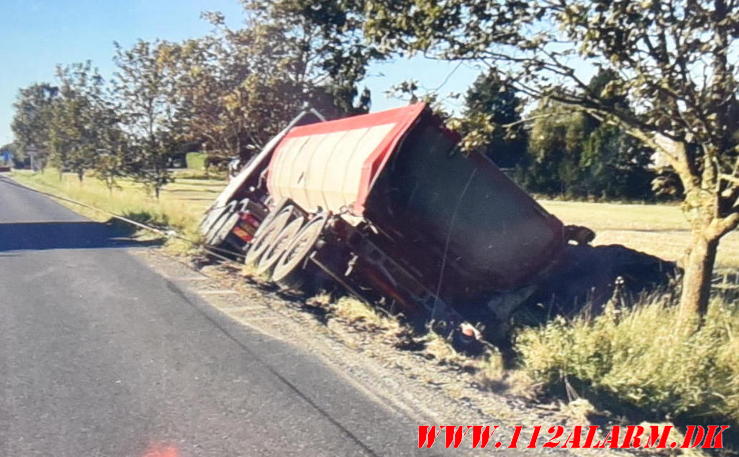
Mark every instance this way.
x=101 y=356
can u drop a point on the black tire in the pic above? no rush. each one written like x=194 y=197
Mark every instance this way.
x=209 y=218
x=289 y=272
x=212 y=234
x=224 y=237
x=278 y=244
x=266 y=232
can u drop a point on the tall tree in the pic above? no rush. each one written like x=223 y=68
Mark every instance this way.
x=33 y=112
x=78 y=121
x=676 y=62
x=574 y=154
x=206 y=75
x=236 y=88
x=113 y=147
x=556 y=141
x=145 y=96
x=491 y=103
x=327 y=39
x=613 y=163
x=232 y=91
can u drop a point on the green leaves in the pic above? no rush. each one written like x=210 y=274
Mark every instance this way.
x=146 y=102
x=235 y=88
x=33 y=112
x=491 y=121
x=67 y=125
x=675 y=62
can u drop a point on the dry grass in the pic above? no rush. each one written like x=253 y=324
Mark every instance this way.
x=442 y=351
x=250 y=271
x=492 y=366
x=322 y=299
x=659 y=230
x=360 y=314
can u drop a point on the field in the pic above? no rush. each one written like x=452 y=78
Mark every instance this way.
x=659 y=230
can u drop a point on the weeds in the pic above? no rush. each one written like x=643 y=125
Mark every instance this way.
x=441 y=349
x=358 y=313
x=250 y=271
x=634 y=359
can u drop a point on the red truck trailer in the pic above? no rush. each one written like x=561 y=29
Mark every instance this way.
x=388 y=206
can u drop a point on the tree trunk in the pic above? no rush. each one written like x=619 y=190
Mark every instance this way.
x=696 y=287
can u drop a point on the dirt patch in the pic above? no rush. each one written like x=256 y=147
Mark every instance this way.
x=586 y=277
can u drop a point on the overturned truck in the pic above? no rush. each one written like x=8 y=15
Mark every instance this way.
x=388 y=206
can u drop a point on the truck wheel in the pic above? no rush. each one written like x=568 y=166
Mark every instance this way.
x=278 y=245
x=222 y=232
x=289 y=272
x=212 y=235
x=210 y=218
x=266 y=233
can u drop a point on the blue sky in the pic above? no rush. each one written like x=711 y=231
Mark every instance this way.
x=36 y=35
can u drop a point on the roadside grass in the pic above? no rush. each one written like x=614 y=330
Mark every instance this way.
x=443 y=351
x=250 y=271
x=637 y=363
x=360 y=314
x=657 y=229
x=179 y=208
x=488 y=365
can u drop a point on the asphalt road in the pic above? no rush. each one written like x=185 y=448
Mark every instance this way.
x=101 y=356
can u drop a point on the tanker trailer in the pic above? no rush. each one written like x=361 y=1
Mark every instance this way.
x=387 y=205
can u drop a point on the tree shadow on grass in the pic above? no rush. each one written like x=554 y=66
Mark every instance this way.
x=24 y=236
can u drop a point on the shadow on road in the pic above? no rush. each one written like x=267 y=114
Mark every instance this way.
x=18 y=236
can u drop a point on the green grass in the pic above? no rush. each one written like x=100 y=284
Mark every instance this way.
x=180 y=206
x=635 y=360
x=195 y=160
x=657 y=229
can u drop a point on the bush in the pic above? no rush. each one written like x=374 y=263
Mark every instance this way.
x=195 y=160
x=635 y=358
